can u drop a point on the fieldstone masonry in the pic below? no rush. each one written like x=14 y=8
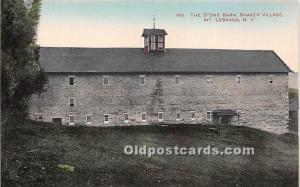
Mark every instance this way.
x=263 y=105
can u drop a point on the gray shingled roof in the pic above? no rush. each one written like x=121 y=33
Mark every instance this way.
x=133 y=60
x=154 y=32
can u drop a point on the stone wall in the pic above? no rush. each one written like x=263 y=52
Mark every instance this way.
x=263 y=105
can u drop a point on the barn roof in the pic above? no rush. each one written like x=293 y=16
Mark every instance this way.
x=147 y=32
x=133 y=60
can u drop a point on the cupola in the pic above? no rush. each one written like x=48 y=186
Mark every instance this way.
x=154 y=40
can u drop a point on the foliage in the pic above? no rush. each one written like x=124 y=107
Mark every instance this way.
x=293 y=93
x=157 y=102
x=21 y=73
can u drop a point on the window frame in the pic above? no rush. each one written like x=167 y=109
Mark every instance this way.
x=143 y=120
x=160 y=39
x=69 y=80
x=153 y=46
x=160 y=46
x=208 y=79
x=86 y=119
x=142 y=77
x=106 y=122
x=153 y=38
x=209 y=115
x=40 y=118
x=177 y=79
x=193 y=115
x=162 y=116
x=178 y=119
x=72 y=98
x=238 y=79
x=106 y=77
x=72 y=123
x=124 y=118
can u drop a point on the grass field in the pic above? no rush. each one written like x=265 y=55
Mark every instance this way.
x=33 y=154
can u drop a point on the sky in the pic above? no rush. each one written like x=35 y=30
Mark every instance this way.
x=119 y=23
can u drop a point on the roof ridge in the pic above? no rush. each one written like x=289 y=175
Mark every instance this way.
x=65 y=47
x=253 y=50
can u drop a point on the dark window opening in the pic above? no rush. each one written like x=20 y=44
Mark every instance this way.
x=89 y=119
x=71 y=120
x=178 y=116
x=126 y=117
x=177 y=79
x=160 y=116
x=71 y=81
x=72 y=104
x=193 y=115
x=57 y=121
x=142 y=79
x=106 y=118
x=238 y=79
x=143 y=117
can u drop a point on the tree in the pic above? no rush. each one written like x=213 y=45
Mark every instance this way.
x=21 y=73
x=293 y=93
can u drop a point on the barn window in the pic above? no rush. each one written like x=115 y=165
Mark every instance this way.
x=153 y=46
x=72 y=102
x=208 y=79
x=125 y=117
x=71 y=120
x=178 y=116
x=238 y=79
x=160 y=116
x=88 y=119
x=71 y=80
x=143 y=117
x=152 y=38
x=160 y=46
x=106 y=118
x=271 y=79
x=177 y=79
x=40 y=118
x=160 y=38
x=142 y=79
x=193 y=115
x=209 y=115
x=105 y=80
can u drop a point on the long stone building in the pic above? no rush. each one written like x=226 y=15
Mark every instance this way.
x=155 y=85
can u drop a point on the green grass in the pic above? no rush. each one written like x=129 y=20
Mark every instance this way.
x=32 y=153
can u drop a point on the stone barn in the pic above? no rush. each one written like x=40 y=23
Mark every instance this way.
x=157 y=85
